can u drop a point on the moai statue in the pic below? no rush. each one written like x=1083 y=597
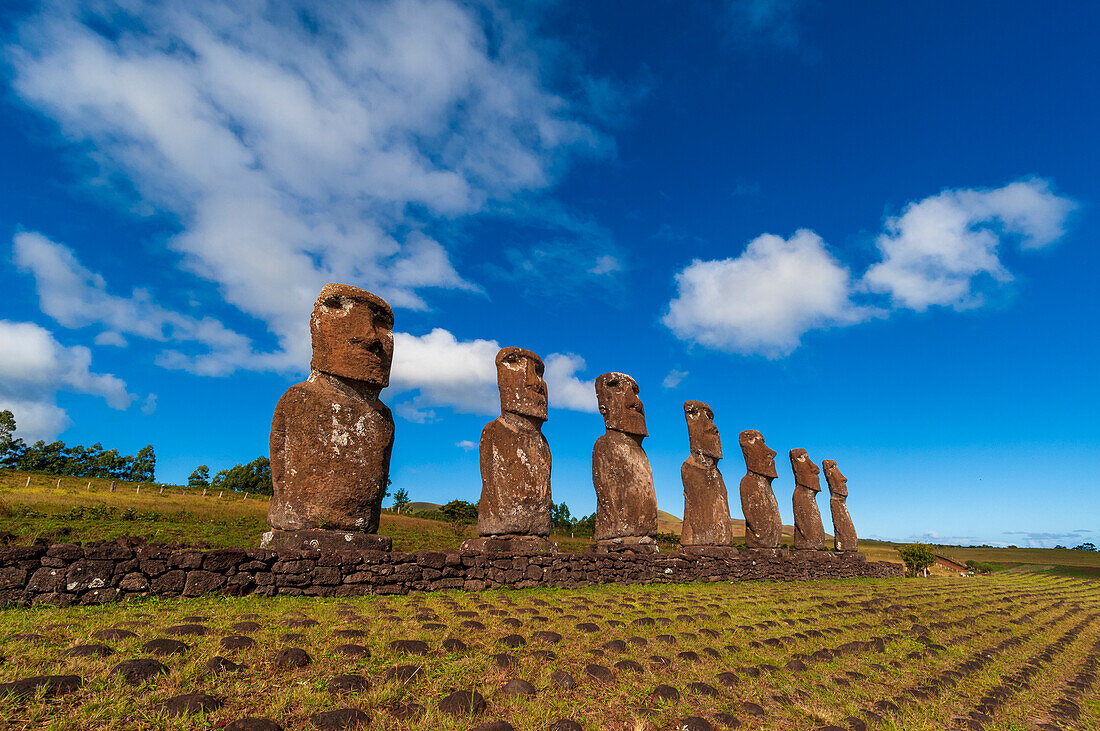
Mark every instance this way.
x=706 y=503
x=331 y=436
x=844 y=533
x=626 y=504
x=763 y=526
x=513 y=514
x=809 y=534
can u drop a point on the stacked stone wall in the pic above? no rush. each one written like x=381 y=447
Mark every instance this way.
x=66 y=574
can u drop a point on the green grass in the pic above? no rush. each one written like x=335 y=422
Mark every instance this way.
x=738 y=628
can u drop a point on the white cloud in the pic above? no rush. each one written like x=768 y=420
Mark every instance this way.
x=466 y=445
x=606 y=264
x=566 y=390
x=942 y=250
x=76 y=297
x=764 y=300
x=298 y=145
x=107 y=337
x=461 y=374
x=673 y=379
x=149 y=405
x=34 y=367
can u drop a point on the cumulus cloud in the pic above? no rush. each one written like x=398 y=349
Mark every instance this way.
x=441 y=370
x=466 y=445
x=298 y=143
x=942 y=249
x=34 y=366
x=764 y=300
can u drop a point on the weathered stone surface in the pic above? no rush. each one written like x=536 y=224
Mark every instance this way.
x=844 y=532
x=626 y=504
x=763 y=526
x=706 y=503
x=809 y=534
x=325 y=541
x=253 y=724
x=463 y=702
x=513 y=545
x=331 y=436
x=340 y=718
x=515 y=457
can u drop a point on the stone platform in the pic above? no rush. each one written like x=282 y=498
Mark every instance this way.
x=66 y=574
x=514 y=545
x=326 y=541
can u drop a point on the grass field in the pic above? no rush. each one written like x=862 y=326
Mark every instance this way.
x=998 y=652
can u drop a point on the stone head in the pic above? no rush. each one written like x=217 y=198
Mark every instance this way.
x=702 y=433
x=806 y=473
x=838 y=483
x=352 y=333
x=617 y=396
x=759 y=457
x=519 y=378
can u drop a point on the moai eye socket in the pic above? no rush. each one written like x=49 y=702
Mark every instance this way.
x=334 y=302
x=613 y=383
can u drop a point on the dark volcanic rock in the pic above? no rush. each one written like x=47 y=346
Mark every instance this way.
x=89 y=651
x=218 y=665
x=163 y=646
x=113 y=634
x=494 y=726
x=351 y=683
x=664 y=693
x=190 y=703
x=454 y=645
x=518 y=686
x=139 y=670
x=462 y=702
x=410 y=647
x=292 y=657
x=237 y=642
x=402 y=673
x=54 y=685
x=186 y=629
x=352 y=650
x=599 y=672
x=565 y=724
x=405 y=711
x=563 y=680
x=340 y=718
x=695 y=723
x=253 y=724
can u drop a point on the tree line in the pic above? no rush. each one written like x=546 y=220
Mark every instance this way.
x=57 y=458
x=253 y=478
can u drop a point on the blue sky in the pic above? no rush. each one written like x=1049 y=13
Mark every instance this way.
x=864 y=229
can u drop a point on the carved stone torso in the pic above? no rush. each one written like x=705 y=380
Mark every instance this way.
x=706 y=506
x=330 y=455
x=809 y=534
x=844 y=532
x=515 y=479
x=763 y=526
x=626 y=503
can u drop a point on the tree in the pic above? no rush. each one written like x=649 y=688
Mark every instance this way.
x=460 y=511
x=200 y=477
x=7 y=429
x=143 y=468
x=254 y=477
x=1090 y=546
x=917 y=558
x=400 y=499
x=560 y=516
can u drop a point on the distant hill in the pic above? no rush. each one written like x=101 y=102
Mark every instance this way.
x=419 y=506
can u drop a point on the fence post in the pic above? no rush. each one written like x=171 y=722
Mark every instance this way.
x=58 y=483
x=220 y=494
x=113 y=485
x=204 y=492
x=137 y=489
x=89 y=485
x=28 y=481
x=161 y=490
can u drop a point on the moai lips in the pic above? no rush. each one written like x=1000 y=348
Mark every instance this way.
x=844 y=532
x=706 y=502
x=763 y=526
x=515 y=457
x=331 y=436
x=626 y=504
x=809 y=534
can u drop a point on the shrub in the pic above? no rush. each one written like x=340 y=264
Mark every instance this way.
x=917 y=558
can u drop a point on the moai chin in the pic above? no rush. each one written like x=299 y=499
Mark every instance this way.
x=809 y=534
x=514 y=510
x=331 y=435
x=706 y=502
x=763 y=526
x=626 y=504
x=844 y=532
